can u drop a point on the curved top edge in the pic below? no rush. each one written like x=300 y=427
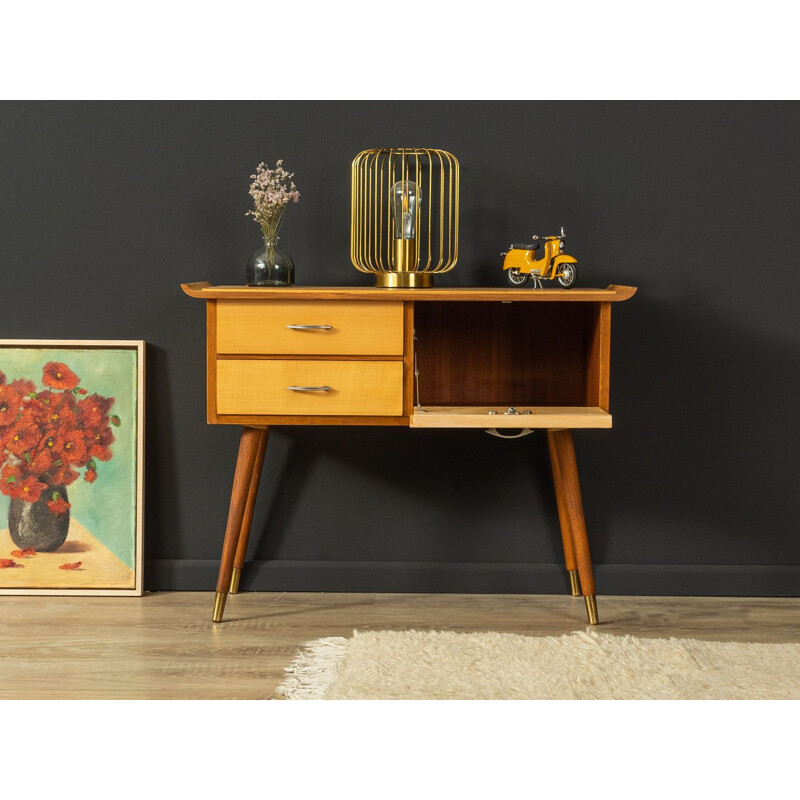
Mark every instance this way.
x=622 y=292
x=196 y=289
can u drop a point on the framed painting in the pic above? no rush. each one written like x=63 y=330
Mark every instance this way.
x=71 y=467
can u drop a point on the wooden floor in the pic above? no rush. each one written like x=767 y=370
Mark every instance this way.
x=164 y=645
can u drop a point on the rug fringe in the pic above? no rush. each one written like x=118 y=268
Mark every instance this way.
x=314 y=669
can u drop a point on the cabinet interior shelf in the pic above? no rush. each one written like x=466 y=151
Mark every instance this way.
x=540 y=417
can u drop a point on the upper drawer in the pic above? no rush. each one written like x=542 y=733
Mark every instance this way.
x=346 y=327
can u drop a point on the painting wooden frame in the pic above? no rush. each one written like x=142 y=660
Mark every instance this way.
x=104 y=556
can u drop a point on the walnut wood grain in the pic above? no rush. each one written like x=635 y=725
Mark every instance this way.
x=497 y=354
x=211 y=362
x=252 y=495
x=408 y=358
x=205 y=291
x=566 y=480
x=563 y=515
x=599 y=356
x=248 y=450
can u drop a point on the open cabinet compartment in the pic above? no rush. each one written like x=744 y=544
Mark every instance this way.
x=551 y=359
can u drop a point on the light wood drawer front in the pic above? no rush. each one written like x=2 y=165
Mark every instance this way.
x=349 y=327
x=358 y=388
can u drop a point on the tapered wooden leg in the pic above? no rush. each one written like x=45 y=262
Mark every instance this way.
x=248 y=450
x=563 y=518
x=571 y=498
x=247 y=519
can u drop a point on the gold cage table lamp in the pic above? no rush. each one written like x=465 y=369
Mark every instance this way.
x=404 y=215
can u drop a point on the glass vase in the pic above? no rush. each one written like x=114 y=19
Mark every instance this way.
x=270 y=265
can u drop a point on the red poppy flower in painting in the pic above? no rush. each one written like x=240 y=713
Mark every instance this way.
x=22 y=437
x=59 y=506
x=19 y=486
x=99 y=444
x=23 y=387
x=31 y=410
x=94 y=410
x=10 y=474
x=48 y=445
x=59 y=376
x=59 y=410
x=90 y=476
x=62 y=475
x=9 y=405
x=43 y=462
x=71 y=448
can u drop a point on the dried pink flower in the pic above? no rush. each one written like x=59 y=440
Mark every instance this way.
x=272 y=190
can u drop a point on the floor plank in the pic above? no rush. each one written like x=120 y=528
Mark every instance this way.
x=164 y=645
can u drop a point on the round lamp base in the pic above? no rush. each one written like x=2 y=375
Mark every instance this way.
x=403 y=280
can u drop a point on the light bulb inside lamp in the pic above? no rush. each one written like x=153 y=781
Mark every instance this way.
x=405 y=203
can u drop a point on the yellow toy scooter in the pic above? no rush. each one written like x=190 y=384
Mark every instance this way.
x=520 y=263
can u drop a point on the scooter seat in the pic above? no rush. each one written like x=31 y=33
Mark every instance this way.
x=528 y=246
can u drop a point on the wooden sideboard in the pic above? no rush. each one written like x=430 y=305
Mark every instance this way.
x=492 y=359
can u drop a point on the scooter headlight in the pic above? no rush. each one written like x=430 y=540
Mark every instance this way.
x=561 y=245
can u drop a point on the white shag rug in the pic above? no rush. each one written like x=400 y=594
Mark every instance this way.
x=431 y=665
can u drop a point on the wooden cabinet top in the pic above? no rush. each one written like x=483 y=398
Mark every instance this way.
x=205 y=291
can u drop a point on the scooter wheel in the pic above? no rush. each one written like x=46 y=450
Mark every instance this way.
x=515 y=277
x=568 y=276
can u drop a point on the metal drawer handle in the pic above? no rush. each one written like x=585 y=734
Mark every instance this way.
x=310 y=388
x=310 y=327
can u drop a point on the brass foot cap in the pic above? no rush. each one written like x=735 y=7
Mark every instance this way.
x=591 y=609
x=236 y=576
x=574 y=583
x=219 y=606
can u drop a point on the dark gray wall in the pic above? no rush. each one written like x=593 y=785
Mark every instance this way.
x=105 y=208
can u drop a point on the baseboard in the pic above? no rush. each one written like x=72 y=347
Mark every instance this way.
x=370 y=576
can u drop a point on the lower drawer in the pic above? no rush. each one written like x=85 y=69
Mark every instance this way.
x=357 y=388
